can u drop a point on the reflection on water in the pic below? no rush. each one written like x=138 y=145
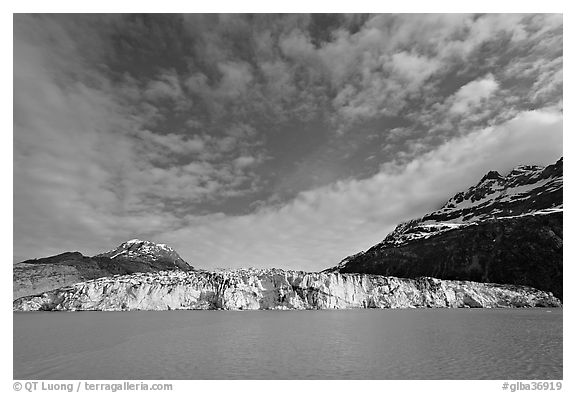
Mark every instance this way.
x=343 y=344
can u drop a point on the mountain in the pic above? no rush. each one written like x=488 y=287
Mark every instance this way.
x=266 y=289
x=158 y=256
x=45 y=274
x=505 y=229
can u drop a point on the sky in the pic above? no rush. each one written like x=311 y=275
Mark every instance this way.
x=268 y=140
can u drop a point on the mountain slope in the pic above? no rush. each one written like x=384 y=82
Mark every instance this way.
x=505 y=229
x=44 y=274
x=265 y=289
x=158 y=256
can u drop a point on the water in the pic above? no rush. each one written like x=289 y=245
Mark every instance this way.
x=344 y=344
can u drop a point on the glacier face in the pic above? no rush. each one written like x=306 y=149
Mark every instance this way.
x=276 y=289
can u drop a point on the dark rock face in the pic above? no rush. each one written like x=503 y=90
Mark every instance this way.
x=522 y=251
x=503 y=230
x=44 y=274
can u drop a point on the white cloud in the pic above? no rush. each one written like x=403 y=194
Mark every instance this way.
x=414 y=68
x=244 y=161
x=472 y=94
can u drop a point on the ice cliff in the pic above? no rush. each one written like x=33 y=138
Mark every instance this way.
x=256 y=289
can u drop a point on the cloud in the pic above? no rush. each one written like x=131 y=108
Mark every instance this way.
x=414 y=68
x=376 y=75
x=167 y=86
x=472 y=94
x=364 y=68
x=65 y=142
x=87 y=170
x=549 y=83
x=322 y=226
x=173 y=143
x=236 y=78
x=244 y=161
x=297 y=45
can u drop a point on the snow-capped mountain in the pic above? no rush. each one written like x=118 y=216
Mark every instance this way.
x=146 y=251
x=525 y=190
x=505 y=229
x=44 y=274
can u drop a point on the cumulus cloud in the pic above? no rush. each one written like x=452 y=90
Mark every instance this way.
x=414 y=68
x=473 y=94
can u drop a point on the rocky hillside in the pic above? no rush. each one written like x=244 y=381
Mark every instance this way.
x=505 y=229
x=44 y=274
x=277 y=289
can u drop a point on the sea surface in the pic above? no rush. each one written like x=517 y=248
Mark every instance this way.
x=343 y=344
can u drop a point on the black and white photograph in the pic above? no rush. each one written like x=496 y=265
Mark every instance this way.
x=287 y=196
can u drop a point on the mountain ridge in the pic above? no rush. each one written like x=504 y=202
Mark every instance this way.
x=496 y=231
x=43 y=274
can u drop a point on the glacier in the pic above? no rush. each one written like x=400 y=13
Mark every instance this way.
x=277 y=289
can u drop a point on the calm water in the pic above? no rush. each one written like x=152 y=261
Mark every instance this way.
x=346 y=344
